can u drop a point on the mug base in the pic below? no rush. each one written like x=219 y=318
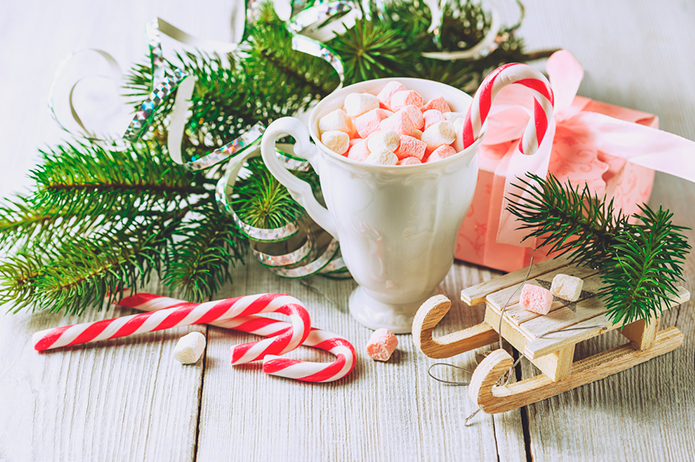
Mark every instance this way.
x=371 y=313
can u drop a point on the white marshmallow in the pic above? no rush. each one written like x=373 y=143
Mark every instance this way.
x=190 y=348
x=451 y=116
x=336 y=141
x=337 y=120
x=357 y=104
x=567 y=287
x=382 y=158
x=439 y=134
x=384 y=141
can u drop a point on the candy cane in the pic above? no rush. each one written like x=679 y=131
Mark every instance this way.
x=174 y=313
x=515 y=73
x=289 y=368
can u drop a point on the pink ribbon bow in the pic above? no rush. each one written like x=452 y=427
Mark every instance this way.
x=575 y=138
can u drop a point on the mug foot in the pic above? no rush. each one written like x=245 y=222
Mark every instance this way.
x=396 y=317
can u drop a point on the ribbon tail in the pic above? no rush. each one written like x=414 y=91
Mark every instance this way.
x=519 y=165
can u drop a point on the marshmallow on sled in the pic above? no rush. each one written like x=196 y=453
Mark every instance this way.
x=567 y=287
x=337 y=120
x=439 y=134
x=357 y=104
x=336 y=141
x=382 y=158
x=536 y=299
x=381 y=345
x=190 y=348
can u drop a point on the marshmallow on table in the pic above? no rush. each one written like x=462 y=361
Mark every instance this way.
x=384 y=96
x=410 y=147
x=190 y=348
x=357 y=104
x=536 y=299
x=386 y=140
x=369 y=122
x=438 y=134
x=336 y=141
x=567 y=287
x=442 y=152
x=381 y=344
x=360 y=151
x=409 y=161
x=431 y=117
x=404 y=98
x=382 y=158
x=439 y=104
x=337 y=120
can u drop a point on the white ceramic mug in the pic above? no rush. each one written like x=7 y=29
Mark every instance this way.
x=397 y=225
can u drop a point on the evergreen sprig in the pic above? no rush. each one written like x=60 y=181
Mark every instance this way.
x=641 y=257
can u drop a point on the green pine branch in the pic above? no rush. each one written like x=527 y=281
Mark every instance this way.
x=640 y=262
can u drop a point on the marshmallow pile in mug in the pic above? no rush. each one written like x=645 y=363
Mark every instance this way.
x=392 y=128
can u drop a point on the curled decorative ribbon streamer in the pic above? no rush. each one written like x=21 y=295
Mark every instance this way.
x=496 y=35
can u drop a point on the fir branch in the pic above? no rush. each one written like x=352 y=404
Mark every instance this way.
x=202 y=262
x=640 y=263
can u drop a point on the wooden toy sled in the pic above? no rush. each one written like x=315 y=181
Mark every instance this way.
x=547 y=341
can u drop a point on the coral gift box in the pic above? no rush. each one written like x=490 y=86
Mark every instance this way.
x=579 y=152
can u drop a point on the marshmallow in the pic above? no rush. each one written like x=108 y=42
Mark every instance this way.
x=438 y=134
x=415 y=116
x=404 y=98
x=410 y=147
x=369 y=122
x=439 y=104
x=336 y=141
x=382 y=158
x=431 y=117
x=400 y=123
x=567 y=287
x=386 y=140
x=442 y=152
x=536 y=299
x=337 y=120
x=190 y=348
x=387 y=92
x=360 y=151
x=357 y=104
x=354 y=141
x=451 y=116
x=409 y=161
x=381 y=344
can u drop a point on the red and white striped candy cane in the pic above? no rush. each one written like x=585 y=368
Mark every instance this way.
x=175 y=313
x=515 y=73
x=290 y=368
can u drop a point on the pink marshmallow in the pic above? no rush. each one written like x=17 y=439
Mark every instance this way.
x=415 y=115
x=442 y=152
x=359 y=151
x=536 y=299
x=400 y=123
x=409 y=161
x=432 y=116
x=439 y=104
x=381 y=344
x=404 y=98
x=410 y=147
x=387 y=92
x=368 y=123
x=355 y=140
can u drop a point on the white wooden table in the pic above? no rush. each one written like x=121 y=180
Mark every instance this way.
x=129 y=400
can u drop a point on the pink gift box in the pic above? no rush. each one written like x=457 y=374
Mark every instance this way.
x=577 y=153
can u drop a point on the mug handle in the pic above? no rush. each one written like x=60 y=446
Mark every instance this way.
x=299 y=190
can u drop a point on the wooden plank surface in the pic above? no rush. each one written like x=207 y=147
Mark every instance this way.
x=131 y=401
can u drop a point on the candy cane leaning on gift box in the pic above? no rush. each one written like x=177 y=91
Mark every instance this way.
x=175 y=313
x=288 y=368
x=515 y=73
